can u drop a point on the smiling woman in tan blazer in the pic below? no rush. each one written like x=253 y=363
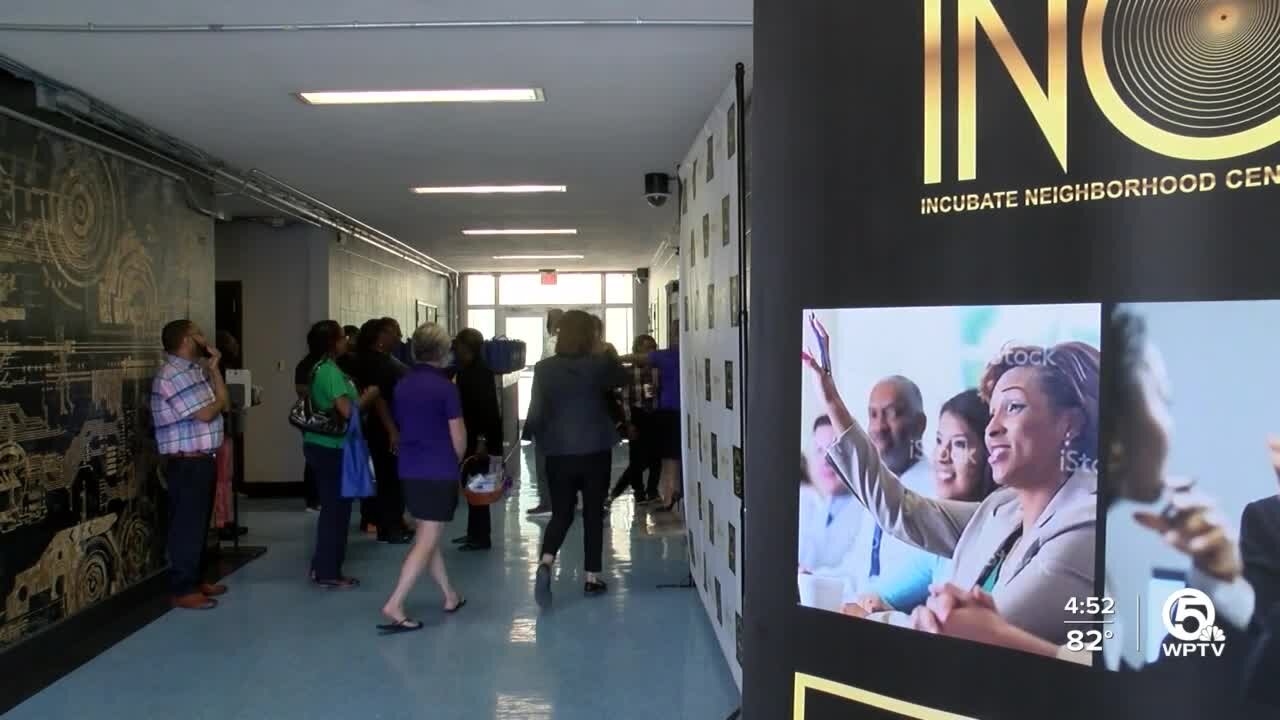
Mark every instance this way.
x=1030 y=543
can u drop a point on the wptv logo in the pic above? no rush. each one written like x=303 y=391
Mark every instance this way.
x=1189 y=616
x=1144 y=64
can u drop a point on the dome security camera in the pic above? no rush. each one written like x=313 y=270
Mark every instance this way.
x=657 y=188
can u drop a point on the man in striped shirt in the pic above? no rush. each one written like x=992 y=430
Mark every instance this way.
x=188 y=397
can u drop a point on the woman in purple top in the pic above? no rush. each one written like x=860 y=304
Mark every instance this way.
x=666 y=418
x=433 y=437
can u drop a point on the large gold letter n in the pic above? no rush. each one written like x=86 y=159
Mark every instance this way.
x=1048 y=107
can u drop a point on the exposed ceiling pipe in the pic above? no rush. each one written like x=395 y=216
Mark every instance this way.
x=312 y=199
x=358 y=25
x=251 y=191
x=77 y=114
x=182 y=182
x=276 y=194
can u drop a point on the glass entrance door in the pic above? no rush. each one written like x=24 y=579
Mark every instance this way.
x=530 y=325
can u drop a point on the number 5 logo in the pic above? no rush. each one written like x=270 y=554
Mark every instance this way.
x=1186 y=613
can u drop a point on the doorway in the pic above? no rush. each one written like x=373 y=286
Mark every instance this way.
x=228 y=308
x=528 y=324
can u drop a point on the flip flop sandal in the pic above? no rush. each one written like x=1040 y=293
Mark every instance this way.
x=338 y=584
x=462 y=602
x=400 y=626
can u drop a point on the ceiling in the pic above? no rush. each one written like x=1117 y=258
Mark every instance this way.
x=620 y=101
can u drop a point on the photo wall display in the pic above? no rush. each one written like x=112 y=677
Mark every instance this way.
x=953 y=414
x=1020 y=320
x=710 y=349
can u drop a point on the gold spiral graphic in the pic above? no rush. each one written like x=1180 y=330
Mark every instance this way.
x=1199 y=67
x=1191 y=79
x=86 y=214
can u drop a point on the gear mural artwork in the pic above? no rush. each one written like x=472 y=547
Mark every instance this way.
x=96 y=253
x=82 y=230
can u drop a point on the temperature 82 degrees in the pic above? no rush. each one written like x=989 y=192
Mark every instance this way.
x=1095 y=614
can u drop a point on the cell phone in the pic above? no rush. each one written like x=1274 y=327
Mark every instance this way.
x=822 y=346
x=1174 y=485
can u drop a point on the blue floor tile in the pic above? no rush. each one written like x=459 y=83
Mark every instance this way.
x=279 y=649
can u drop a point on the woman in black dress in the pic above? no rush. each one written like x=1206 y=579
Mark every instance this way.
x=478 y=389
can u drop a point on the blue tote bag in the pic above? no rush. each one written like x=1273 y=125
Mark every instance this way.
x=357 y=465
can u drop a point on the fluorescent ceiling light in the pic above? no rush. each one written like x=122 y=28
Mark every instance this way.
x=489 y=189
x=522 y=231
x=538 y=257
x=378 y=97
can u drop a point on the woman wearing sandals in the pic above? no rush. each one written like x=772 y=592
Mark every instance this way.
x=433 y=437
x=331 y=391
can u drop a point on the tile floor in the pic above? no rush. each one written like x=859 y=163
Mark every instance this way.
x=280 y=649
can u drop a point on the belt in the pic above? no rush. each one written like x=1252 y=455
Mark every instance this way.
x=190 y=456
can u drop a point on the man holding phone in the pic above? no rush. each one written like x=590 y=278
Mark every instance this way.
x=188 y=397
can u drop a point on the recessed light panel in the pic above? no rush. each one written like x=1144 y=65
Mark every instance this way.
x=489 y=189
x=385 y=97
x=522 y=231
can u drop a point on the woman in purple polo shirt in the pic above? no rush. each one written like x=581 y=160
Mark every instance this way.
x=433 y=437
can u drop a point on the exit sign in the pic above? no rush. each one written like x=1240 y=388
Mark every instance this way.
x=548 y=277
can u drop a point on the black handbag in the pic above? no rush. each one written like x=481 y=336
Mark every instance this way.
x=307 y=419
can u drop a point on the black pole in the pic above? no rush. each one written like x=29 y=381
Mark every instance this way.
x=740 y=82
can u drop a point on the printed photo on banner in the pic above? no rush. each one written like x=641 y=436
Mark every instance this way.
x=719 y=605
x=711 y=157
x=728 y=384
x=724 y=220
x=735 y=301
x=737 y=471
x=737 y=623
x=950 y=451
x=732 y=130
x=707 y=371
x=715 y=456
x=733 y=549
x=1193 y=532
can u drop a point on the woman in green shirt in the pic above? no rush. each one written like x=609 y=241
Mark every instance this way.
x=331 y=391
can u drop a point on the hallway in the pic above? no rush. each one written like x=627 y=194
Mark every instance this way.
x=278 y=648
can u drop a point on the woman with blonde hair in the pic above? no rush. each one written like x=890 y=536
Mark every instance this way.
x=433 y=438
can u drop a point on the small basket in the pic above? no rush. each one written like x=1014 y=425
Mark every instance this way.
x=488 y=488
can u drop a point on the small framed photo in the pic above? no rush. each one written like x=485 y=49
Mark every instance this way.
x=731 y=132
x=728 y=384
x=725 y=205
x=711 y=157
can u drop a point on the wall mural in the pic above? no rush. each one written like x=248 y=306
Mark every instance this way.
x=96 y=254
